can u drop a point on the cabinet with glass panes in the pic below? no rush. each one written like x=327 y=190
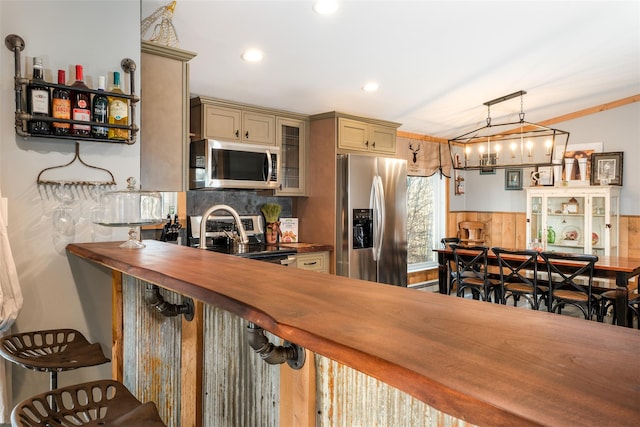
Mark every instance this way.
x=574 y=219
x=291 y=136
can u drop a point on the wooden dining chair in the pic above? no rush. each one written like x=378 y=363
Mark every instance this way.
x=633 y=305
x=471 y=233
x=472 y=273
x=446 y=244
x=519 y=276
x=570 y=278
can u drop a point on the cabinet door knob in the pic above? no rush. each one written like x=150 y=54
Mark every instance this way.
x=374 y=144
x=237 y=133
x=366 y=143
x=246 y=135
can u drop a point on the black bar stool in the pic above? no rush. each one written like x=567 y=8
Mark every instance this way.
x=52 y=351
x=96 y=403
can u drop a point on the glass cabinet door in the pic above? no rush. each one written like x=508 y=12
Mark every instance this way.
x=535 y=224
x=291 y=137
x=565 y=227
x=610 y=224
x=598 y=224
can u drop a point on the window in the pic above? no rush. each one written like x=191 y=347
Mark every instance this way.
x=426 y=213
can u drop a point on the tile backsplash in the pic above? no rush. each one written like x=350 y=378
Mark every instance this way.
x=245 y=202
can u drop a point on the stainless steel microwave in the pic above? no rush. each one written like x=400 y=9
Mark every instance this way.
x=221 y=164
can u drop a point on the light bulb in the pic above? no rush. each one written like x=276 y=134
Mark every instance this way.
x=548 y=144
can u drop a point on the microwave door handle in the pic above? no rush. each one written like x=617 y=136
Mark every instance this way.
x=269 y=166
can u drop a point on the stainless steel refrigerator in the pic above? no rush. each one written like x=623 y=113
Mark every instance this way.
x=372 y=218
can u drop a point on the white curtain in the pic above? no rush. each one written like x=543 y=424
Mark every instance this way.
x=10 y=304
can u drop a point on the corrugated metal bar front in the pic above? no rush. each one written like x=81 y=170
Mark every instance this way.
x=240 y=389
x=152 y=348
x=348 y=398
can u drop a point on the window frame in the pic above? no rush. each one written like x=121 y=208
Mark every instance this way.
x=438 y=228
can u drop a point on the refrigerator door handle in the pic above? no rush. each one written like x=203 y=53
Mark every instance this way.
x=377 y=203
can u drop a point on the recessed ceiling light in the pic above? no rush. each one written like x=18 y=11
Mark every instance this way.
x=370 y=87
x=325 y=7
x=252 y=55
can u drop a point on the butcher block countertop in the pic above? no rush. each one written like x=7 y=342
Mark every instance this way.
x=485 y=363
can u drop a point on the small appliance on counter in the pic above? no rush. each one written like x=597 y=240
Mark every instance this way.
x=220 y=234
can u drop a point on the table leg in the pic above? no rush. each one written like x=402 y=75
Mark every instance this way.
x=622 y=298
x=443 y=274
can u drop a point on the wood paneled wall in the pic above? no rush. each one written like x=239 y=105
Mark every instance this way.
x=508 y=229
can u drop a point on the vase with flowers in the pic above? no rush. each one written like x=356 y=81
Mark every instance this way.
x=271 y=212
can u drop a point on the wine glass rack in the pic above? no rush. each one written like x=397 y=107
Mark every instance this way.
x=16 y=44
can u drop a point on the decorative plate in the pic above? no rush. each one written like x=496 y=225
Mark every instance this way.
x=594 y=238
x=570 y=234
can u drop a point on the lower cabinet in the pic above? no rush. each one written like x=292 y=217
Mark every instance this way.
x=315 y=261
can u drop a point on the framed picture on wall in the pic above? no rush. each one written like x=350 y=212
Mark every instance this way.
x=606 y=168
x=513 y=179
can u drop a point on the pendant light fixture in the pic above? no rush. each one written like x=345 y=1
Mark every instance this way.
x=507 y=145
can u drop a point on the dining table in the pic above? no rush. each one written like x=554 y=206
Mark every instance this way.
x=618 y=273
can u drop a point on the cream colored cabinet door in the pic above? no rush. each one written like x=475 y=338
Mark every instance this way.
x=221 y=123
x=258 y=128
x=352 y=135
x=292 y=138
x=359 y=136
x=314 y=261
x=382 y=139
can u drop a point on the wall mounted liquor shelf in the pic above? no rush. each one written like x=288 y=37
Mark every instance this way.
x=16 y=44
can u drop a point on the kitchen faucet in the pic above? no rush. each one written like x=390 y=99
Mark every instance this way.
x=203 y=224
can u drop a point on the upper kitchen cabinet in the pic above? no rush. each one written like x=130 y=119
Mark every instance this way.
x=164 y=144
x=227 y=121
x=292 y=139
x=363 y=135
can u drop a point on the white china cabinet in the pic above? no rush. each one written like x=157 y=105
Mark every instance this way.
x=574 y=219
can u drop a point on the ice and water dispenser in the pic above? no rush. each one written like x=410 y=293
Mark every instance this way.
x=362 y=228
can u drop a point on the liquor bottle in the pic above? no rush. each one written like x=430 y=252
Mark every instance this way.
x=80 y=105
x=38 y=101
x=61 y=106
x=99 y=111
x=118 y=111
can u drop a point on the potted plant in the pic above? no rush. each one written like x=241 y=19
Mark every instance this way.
x=271 y=212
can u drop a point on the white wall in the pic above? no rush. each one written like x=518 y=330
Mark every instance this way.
x=97 y=34
x=618 y=129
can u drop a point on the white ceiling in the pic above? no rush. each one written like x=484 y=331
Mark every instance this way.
x=437 y=62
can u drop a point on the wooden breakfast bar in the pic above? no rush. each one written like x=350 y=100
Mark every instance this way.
x=443 y=361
